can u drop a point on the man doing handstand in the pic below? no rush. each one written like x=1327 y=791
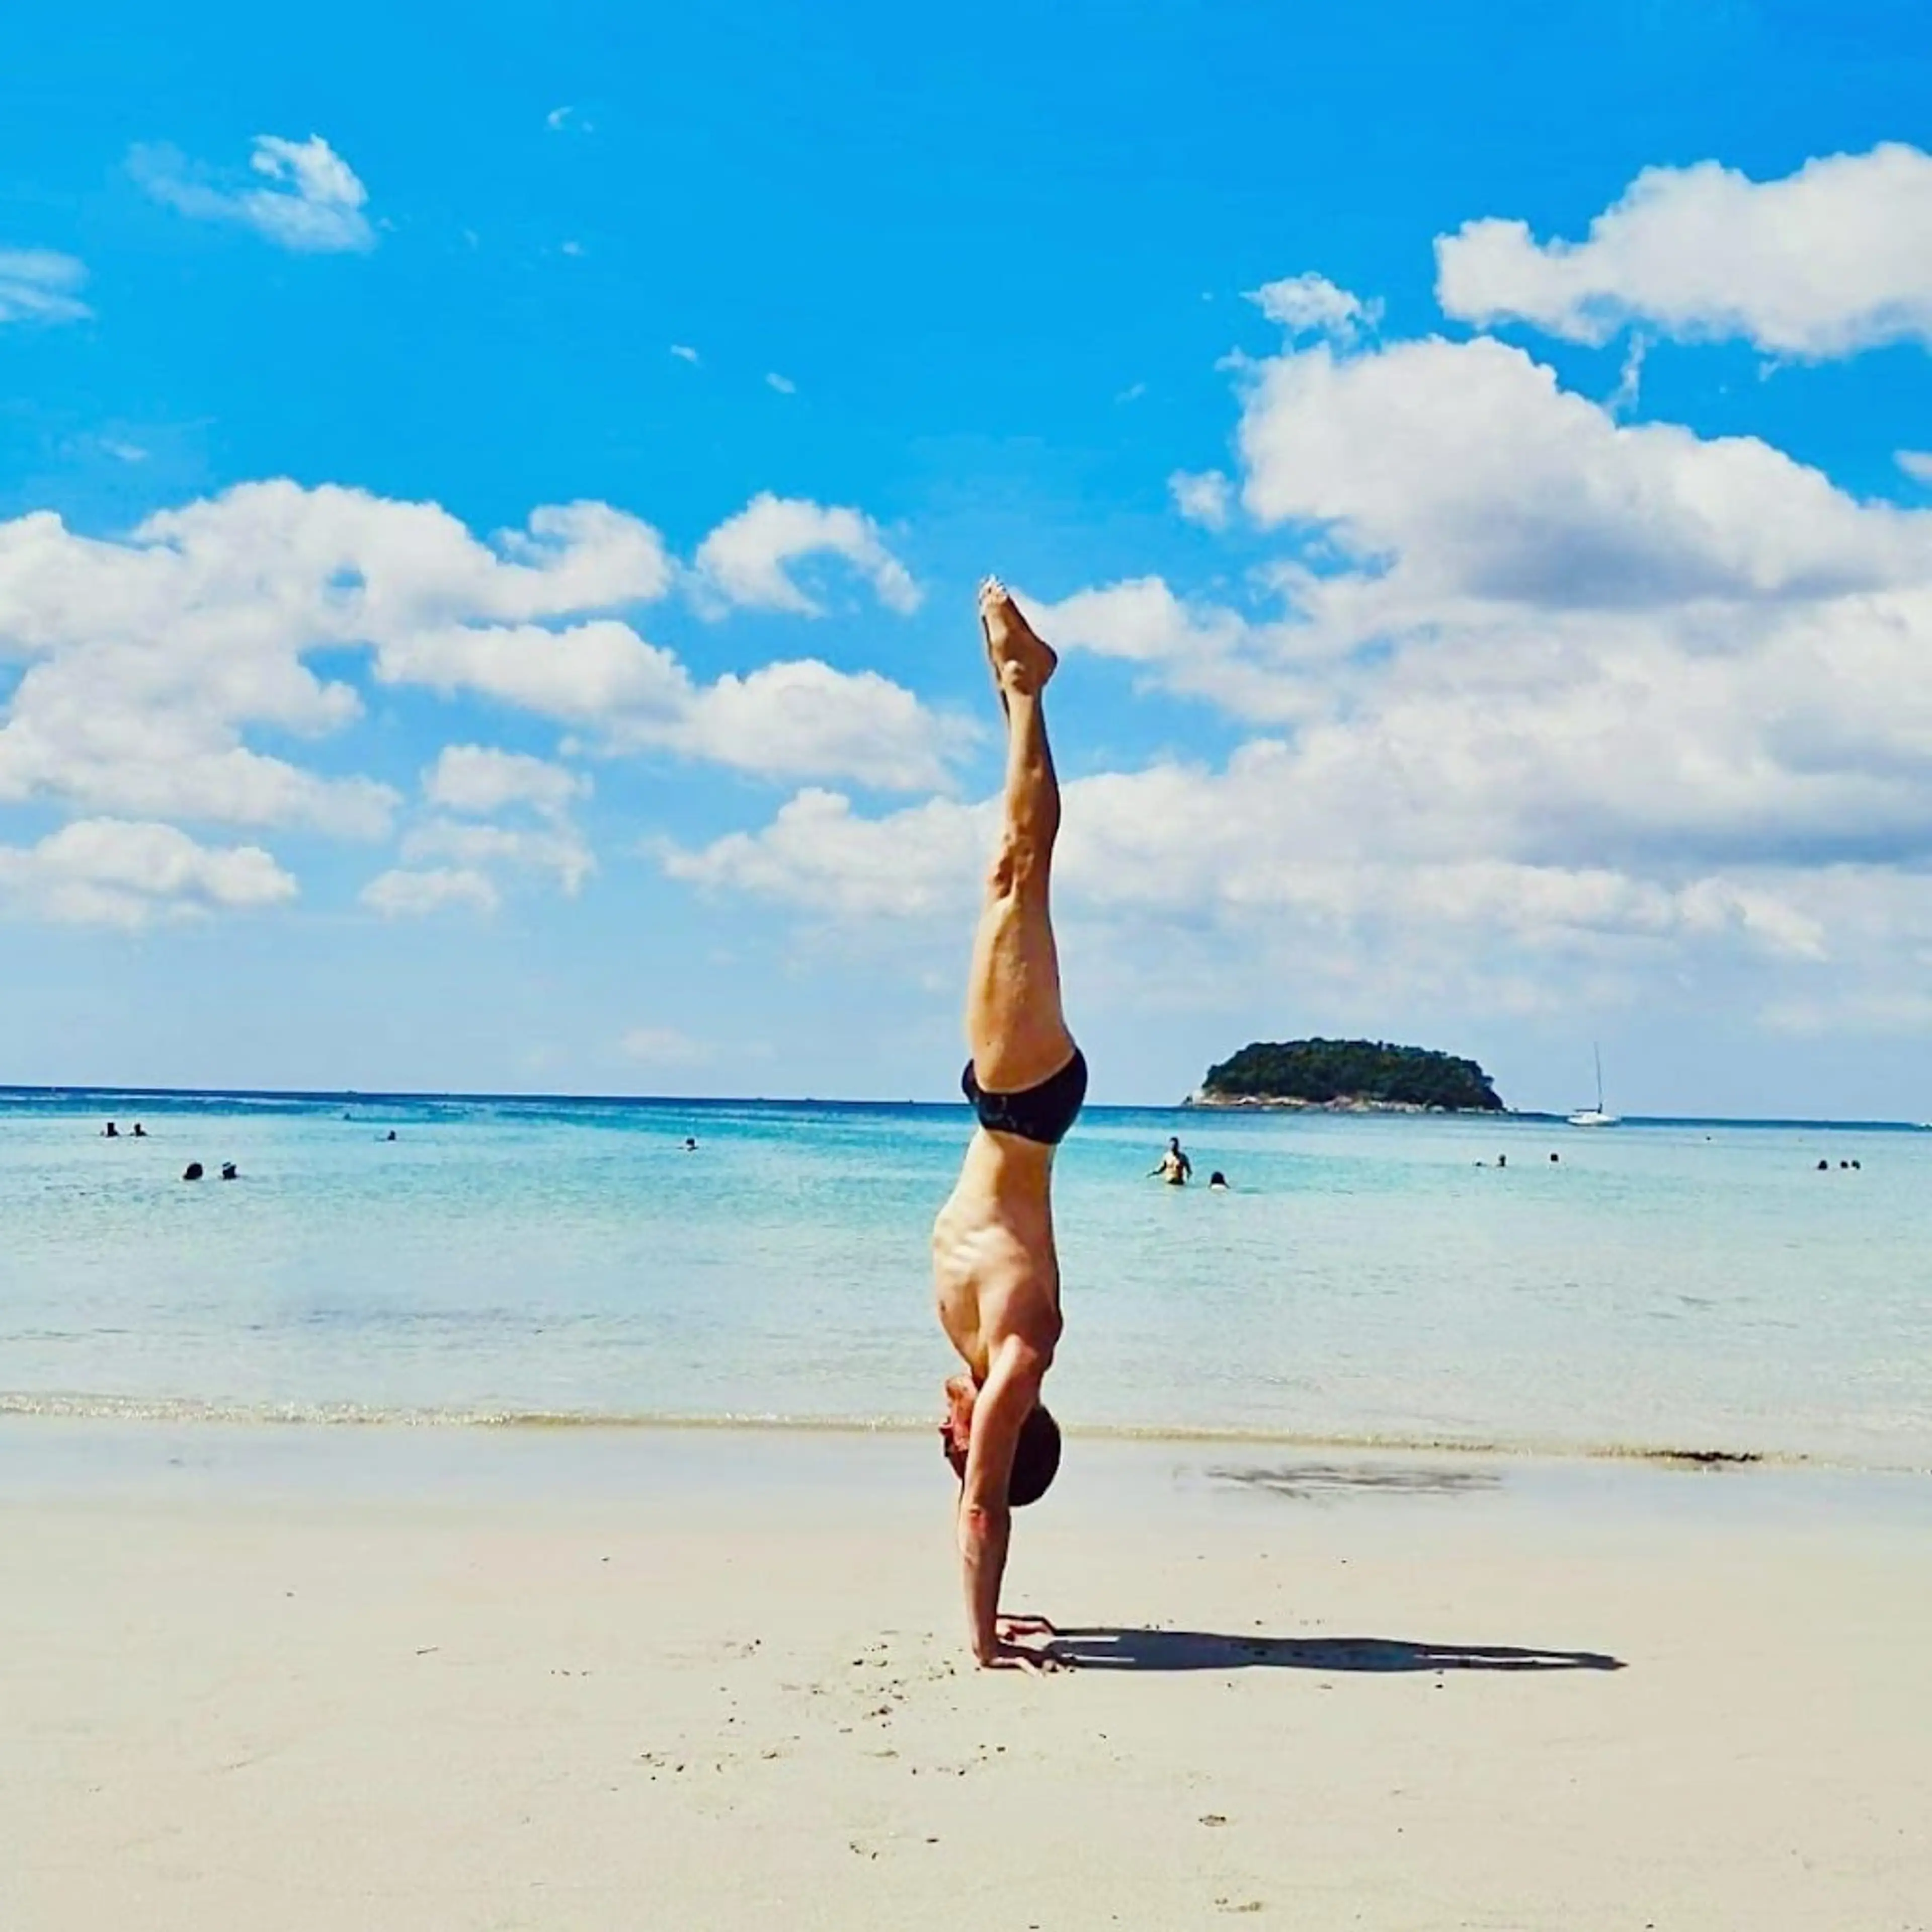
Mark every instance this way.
x=993 y=1265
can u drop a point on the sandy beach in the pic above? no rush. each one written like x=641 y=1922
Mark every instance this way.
x=325 y=1679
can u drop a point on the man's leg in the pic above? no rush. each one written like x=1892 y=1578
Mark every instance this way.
x=1014 y=1023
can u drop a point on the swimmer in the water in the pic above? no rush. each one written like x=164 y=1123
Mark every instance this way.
x=1218 y=1179
x=1175 y=1169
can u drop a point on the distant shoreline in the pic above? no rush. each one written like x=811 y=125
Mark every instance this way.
x=1345 y=1103
x=18 y=1093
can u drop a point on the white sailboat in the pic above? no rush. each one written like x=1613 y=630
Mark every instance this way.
x=1595 y=1116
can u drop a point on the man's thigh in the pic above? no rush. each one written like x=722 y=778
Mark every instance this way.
x=1014 y=1022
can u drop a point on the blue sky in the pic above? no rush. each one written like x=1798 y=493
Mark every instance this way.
x=1499 y=636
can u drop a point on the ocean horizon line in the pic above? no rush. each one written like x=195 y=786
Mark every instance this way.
x=372 y=1096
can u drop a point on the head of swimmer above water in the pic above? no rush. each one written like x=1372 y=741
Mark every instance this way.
x=1036 y=1458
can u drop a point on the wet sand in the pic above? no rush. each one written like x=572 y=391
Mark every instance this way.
x=320 y=1678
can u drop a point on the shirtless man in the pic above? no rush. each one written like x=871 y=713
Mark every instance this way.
x=1175 y=1169
x=993 y=1265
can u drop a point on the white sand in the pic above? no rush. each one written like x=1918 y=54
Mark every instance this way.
x=588 y=1687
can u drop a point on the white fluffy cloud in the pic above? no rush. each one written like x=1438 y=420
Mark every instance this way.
x=789 y=720
x=1574 y=636
x=590 y=673
x=481 y=780
x=111 y=872
x=1204 y=499
x=454 y=856
x=804 y=719
x=1467 y=467
x=473 y=847
x=1177 y=884
x=1188 y=843
x=39 y=285
x=306 y=197
x=404 y=894
x=749 y=559
x=1313 y=305
x=1198 y=650
x=148 y=663
x=1834 y=259
x=819 y=855
x=148 y=659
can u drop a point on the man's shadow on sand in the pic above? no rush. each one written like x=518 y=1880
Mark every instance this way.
x=1108 y=1649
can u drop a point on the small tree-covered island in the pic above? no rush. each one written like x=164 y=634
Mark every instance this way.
x=1364 y=1076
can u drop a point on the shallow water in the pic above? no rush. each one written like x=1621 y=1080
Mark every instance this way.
x=1660 y=1287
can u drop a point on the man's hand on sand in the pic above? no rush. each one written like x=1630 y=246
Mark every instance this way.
x=1007 y=1628
x=1009 y=1656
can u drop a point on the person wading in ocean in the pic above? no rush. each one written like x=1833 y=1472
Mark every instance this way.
x=994 y=1268
x=1173 y=1167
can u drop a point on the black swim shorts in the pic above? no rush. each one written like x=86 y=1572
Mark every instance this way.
x=1042 y=1113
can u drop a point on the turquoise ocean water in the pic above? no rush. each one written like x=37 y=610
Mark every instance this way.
x=1667 y=1286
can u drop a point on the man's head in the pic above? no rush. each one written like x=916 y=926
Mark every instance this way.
x=1036 y=1456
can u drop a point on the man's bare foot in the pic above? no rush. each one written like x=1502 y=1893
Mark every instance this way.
x=1021 y=662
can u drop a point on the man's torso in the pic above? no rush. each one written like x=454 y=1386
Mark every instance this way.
x=995 y=1272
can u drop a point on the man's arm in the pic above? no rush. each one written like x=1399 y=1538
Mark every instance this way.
x=985 y=1518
